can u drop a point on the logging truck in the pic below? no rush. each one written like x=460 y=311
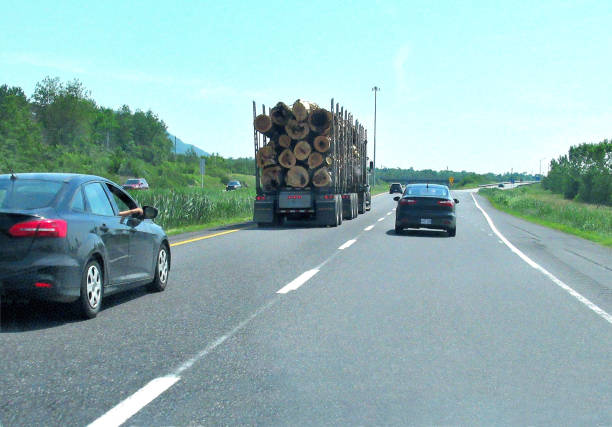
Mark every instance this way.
x=310 y=165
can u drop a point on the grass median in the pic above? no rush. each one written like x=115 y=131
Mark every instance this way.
x=540 y=206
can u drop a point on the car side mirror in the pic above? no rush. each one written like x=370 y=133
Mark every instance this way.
x=396 y=198
x=456 y=200
x=149 y=212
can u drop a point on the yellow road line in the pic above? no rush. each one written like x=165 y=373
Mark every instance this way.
x=205 y=237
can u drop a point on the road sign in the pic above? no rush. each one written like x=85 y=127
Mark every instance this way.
x=202 y=166
x=451 y=180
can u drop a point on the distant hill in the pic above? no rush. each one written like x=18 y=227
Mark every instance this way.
x=183 y=147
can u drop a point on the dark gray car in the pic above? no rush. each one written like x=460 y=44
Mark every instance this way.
x=426 y=206
x=62 y=239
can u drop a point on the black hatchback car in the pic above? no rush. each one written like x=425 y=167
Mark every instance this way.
x=426 y=206
x=70 y=238
x=395 y=187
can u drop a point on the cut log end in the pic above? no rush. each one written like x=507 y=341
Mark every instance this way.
x=297 y=130
x=301 y=109
x=322 y=144
x=286 y=158
x=263 y=123
x=320 y=120
x=266 y=156
x=302 y=150
x=272 y=178
x=281 y=114
x=321 y=178
x=297 y=177
x=284 y=141
x=315 y=160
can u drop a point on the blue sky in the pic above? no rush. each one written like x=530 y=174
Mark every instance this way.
x=469 y=85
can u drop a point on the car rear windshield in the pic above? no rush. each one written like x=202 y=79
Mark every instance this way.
x=132 y=181
x=427 y=191
x=233 y=183
x=25 y=194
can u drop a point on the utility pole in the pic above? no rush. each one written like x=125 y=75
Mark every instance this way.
x=375 y=89
x=543 y=158
x=175 y=146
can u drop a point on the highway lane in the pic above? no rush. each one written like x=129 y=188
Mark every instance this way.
x=392 y=329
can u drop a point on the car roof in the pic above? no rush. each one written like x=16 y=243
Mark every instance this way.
x=50 y=176
x=427 y=185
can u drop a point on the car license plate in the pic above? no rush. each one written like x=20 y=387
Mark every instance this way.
x=425 y=221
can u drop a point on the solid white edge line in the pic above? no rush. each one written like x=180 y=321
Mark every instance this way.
x=130 y=406
x=368 y=228
x=600 y=312
x=347 y=244
x=297 y=282
x=381 y=219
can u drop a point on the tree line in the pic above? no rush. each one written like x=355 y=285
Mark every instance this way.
x=461 y=178
x=60 y=128
x=584 y=173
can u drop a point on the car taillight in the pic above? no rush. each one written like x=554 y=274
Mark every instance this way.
x=346 y=196
x=447 y=203
x=260 y=198
x=407 y=202
x=40 y=228
x=328 y=196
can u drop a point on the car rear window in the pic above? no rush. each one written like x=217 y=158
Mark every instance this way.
x=427 y=191
x=28 y=193
x=132 y=181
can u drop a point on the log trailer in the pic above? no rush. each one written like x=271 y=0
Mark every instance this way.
x=317 y=175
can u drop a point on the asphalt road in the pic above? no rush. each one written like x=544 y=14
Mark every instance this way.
x=484 y=328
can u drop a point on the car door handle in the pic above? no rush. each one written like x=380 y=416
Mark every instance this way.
x=104 y=228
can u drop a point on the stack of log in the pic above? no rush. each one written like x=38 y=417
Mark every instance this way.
x=299 y=151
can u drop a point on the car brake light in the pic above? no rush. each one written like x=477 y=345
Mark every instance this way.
x=447 y=203
x=260 y=198
x=42 y=285
x=40 y=228
x=407 y=202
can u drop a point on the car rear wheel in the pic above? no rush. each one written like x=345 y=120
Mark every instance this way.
x=452 y=232
x=90 y=300
x=162 y=270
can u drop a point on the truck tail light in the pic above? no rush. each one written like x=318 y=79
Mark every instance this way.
x=328 y=197
x=260 y=198
x=346 y=196
x=40 y=228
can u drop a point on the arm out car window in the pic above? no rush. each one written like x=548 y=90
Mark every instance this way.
x=123 y=202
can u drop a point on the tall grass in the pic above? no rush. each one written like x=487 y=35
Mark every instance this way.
x=194 y=206
x=534 y=203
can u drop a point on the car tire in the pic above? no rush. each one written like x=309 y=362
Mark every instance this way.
x=92 y=289
x=162 y=269
x=452 y=232
x=398 y=230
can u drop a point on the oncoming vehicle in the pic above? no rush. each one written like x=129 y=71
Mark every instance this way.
x=233 y=185
x=396 y=187
x=426 y=206
x=136 y=184
x=74 y=239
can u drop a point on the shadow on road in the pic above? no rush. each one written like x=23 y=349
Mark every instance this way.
x=20 y=315
x=418 y=233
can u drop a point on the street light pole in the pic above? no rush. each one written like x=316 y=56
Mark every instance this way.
x=543 y=158
x=375 y=89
